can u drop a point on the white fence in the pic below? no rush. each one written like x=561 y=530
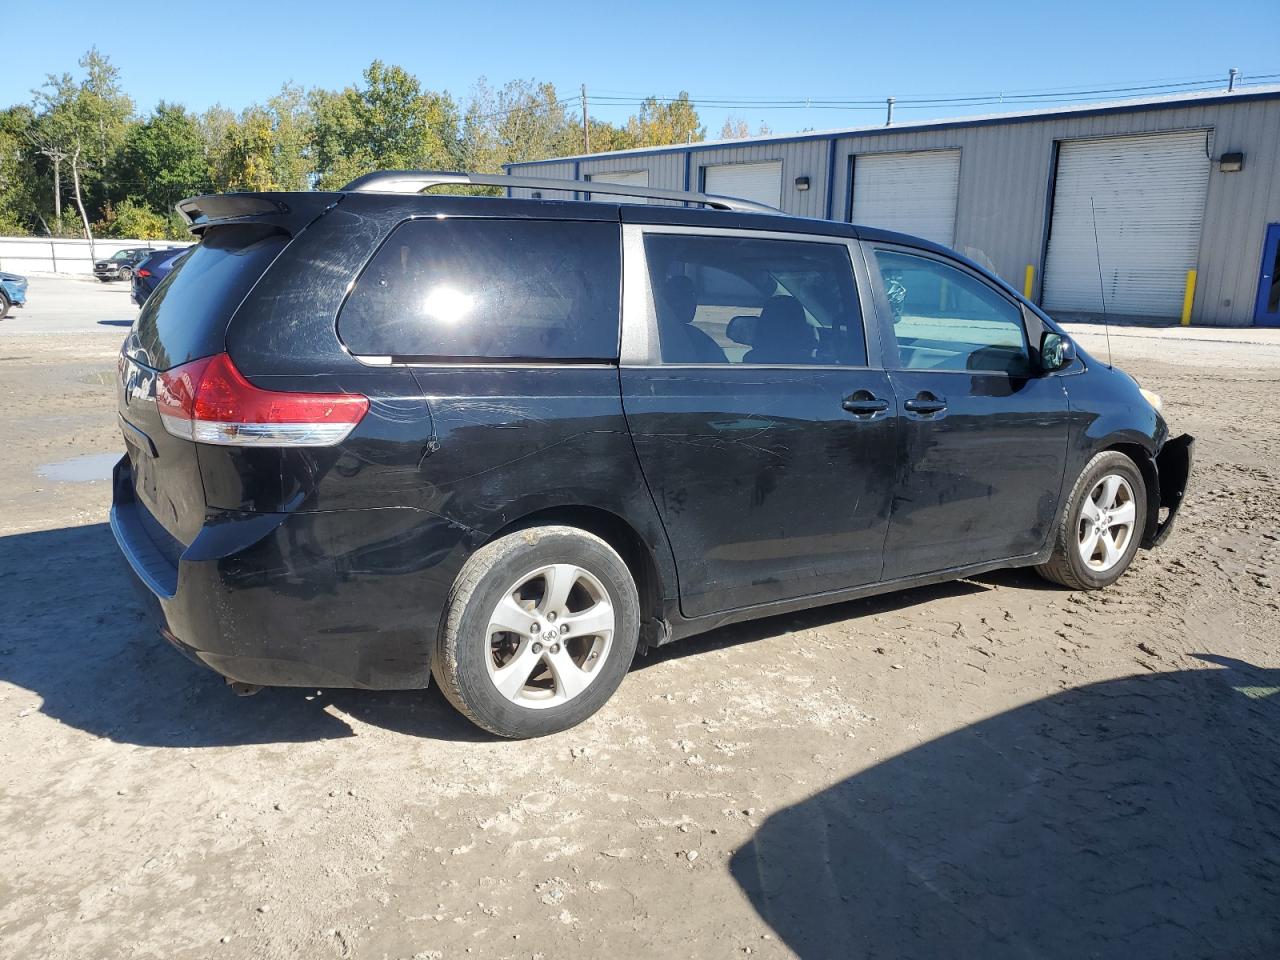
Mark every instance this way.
x=56 y=255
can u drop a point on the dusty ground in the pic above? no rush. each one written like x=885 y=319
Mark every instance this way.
x=983 y=769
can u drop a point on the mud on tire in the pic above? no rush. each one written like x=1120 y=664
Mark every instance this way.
x=1067 y=565
x=470 y=656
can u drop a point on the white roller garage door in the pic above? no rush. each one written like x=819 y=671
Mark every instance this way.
x=636 y=178
x=909 y=192
x=1149 y=194
x=761 y=182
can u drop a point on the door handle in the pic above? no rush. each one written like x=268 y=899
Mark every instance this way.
x=926 y=403
x=864 y=403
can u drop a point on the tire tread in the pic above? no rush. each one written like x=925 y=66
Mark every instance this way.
x=1058 y=568
x=444 y=665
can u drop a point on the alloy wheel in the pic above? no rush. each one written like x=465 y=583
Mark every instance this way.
x=549 y=635
x=1107 y=521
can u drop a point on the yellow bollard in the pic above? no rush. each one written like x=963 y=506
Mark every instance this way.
x=1028 y=284
x=1188 y=298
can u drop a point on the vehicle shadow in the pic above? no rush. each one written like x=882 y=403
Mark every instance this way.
x=1137 y=817
x=115 y=323
x=73 y=633
x=752 y=630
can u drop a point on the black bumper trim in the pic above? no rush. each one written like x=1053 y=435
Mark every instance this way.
x=151 y=566
x=1173 y=465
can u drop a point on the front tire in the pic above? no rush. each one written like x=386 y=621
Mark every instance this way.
x=1102 y=525
x=4 y=306
x=540 y=629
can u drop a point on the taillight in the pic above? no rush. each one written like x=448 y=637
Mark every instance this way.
x=142 y=273
x=209 y=401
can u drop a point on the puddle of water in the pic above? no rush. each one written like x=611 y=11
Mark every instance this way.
x=85 y=469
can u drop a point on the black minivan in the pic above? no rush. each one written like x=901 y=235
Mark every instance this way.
x=376 y=435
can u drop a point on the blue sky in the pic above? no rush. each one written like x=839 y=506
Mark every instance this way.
x=234 y=53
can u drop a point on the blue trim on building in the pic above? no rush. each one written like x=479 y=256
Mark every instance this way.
x=688 y=169
x=858 y=132
x=577 y=175
x=831 y=179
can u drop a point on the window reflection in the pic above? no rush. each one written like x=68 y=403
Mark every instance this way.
x=448 y=305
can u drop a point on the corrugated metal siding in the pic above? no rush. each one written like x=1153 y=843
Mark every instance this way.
x=913 y=192
x=666 y=170
x=556 y=171
x=805 y=159
x=1129 y=208
x=1005 y=181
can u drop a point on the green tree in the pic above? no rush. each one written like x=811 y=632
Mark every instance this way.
x=661 y=123
x=291 y=133
x=523 y=120
x=19 y=184
x=266 y=147
x=134 y=219
x=163 y=158
x=79 y=126
x=389 y=123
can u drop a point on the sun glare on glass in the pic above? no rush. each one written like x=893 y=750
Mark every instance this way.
x=448 y=305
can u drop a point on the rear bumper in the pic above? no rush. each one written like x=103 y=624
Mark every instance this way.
x=348 y=598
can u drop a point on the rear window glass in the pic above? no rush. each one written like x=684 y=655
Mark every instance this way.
x=186 y=316
x=489 y=289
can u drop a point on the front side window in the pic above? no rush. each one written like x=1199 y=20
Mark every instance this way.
x=947 y=319
x=722 y=299
x=490 y=290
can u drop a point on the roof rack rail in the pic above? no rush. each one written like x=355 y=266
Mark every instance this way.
x=415 y=181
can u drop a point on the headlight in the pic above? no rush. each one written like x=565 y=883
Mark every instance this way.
x=1152 y=398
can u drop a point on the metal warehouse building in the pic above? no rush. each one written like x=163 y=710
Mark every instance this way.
x=1185 y=191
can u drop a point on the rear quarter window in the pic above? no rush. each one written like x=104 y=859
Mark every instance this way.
x=488 y=290
x=187 y=315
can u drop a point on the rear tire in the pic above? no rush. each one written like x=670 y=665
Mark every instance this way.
x=574 y=617
x=1102 y=525
x=4 y=306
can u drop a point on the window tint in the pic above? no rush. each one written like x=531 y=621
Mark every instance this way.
x=947 y=319
x=494 y=289
x=187 y=315
x=746 y=300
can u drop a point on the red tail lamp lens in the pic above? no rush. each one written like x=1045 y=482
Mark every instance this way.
x=210 y=401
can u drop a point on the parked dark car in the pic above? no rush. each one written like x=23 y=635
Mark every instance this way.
x=152 y=269
x=119 y=266
x=373 y=436
x=13 y=292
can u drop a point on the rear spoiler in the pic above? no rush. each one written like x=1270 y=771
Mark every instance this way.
x=289 y=212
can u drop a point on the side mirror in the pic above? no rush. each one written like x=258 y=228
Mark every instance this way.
x=742 y=330
x=1056 y=351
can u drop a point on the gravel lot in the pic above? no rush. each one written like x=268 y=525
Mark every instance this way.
x=988 y=768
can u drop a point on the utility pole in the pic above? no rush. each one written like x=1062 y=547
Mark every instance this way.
x=57 y=156
x=1231 y=79
x=888 y=118
x=586 y=127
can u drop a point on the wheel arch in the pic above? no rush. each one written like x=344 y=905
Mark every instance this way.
x=1146 y=465
x=651 y=585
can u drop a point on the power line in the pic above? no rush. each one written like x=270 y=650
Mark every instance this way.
x=1060 y=95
